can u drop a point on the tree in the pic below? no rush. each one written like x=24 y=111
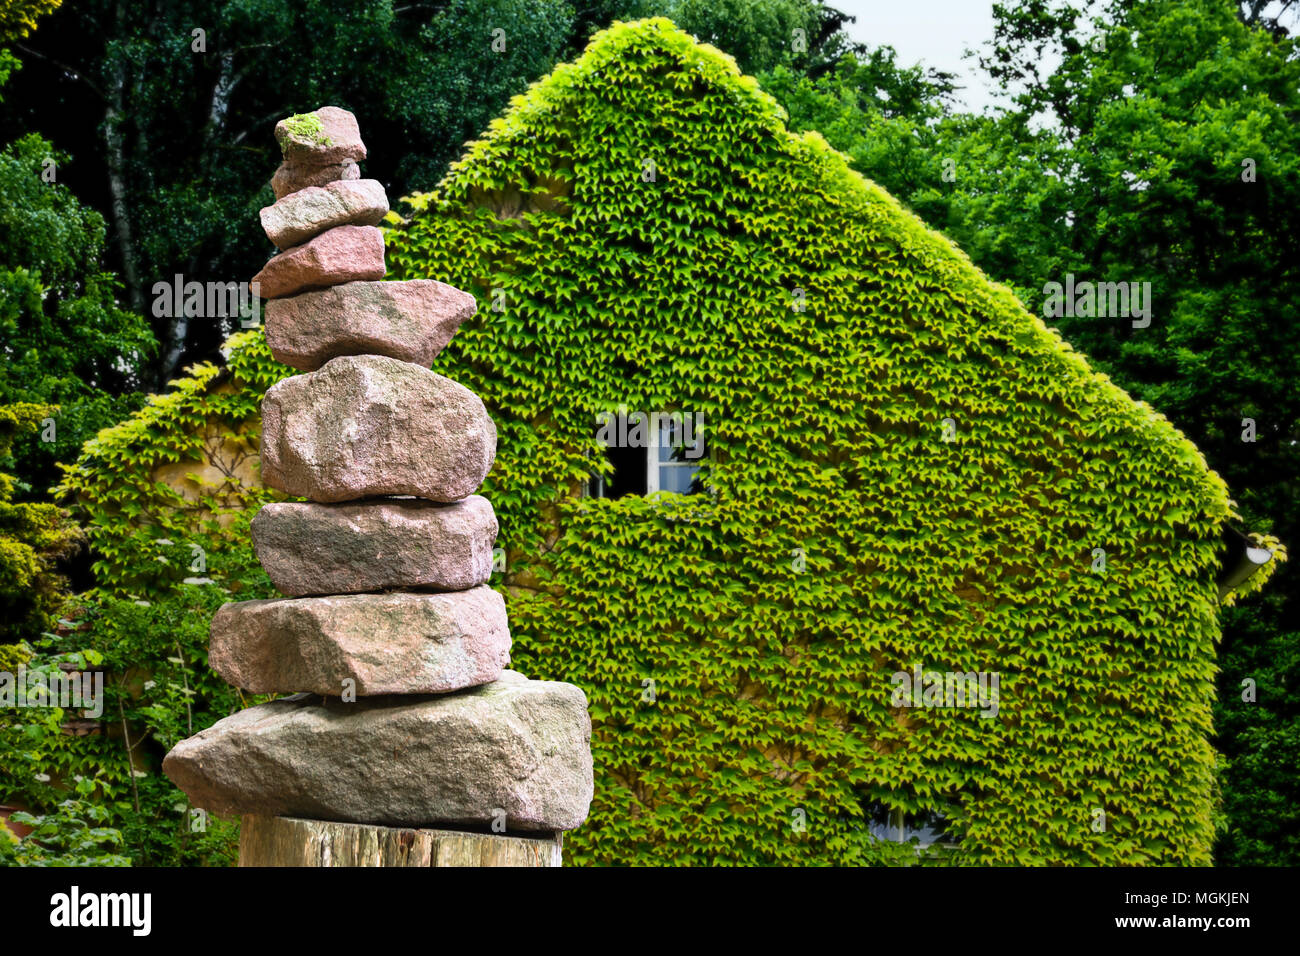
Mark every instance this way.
x=886 y=117
x=172 y=109
x=18 y=17
x=760 y=34
x=64 y=338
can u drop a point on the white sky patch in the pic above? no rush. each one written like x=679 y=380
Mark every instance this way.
x=938 y=32
x=934 y=34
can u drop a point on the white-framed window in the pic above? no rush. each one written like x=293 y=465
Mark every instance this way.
x=676 y=453
x=895 y=826
x=650 y=452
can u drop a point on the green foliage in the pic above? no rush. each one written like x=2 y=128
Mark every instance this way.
x=67 y=836
x=774 y=685
x=1259 y=734
x=1155 y=131
x=979 y=179
x=165 y=500
x=152 y=649
x=33 y=536
x=460 y=69
x=1177 y=157
x=177 y=468
x=758 y=33
x=14 y=656
x=18 y=17
x=184 y=140
x=8 y=63
x=60 y=319
x=306 y=125
x=66 y=340
x=1127 y=161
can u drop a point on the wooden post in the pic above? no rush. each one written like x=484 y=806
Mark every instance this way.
x=284 y=841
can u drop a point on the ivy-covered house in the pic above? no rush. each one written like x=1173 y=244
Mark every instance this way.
x=845 y=546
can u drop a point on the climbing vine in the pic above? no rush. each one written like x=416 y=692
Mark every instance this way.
x=908 y=471
x=641 y=229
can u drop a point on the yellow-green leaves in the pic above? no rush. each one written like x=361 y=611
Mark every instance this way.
x=942 y=461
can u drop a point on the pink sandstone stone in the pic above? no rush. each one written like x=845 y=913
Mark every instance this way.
x=412 y=321
x=323 y=137
x=366 y=426
x=291 y=177
x=343 y=254
x=379 y=545
x=309 y=212
x=398 y=643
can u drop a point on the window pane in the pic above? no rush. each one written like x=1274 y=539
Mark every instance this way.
x=926 y=827
x=680 y=441
x=645 y=450
x=676 y=478
x=629 y=472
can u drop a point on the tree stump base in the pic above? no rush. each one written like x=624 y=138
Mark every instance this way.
x=285 y=841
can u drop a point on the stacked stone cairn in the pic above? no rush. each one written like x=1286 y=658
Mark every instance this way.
x=388 y=635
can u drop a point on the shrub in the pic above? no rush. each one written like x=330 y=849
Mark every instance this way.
x=33 y=537
x=165 y=502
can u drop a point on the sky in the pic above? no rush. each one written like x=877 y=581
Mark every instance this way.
x=937 y=32
x=932 y=32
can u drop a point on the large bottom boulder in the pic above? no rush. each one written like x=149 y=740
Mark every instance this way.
x=515 y=751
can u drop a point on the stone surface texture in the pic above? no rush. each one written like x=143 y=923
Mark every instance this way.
x=515 y=747
x=411 y=321
x=400 y=643
x=309 y=212
x=407 y=739
x=323 y=137
x=369 y=426
x=342 y=254
x=290 y=177
x=378 y=545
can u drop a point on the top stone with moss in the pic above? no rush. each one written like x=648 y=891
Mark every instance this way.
x=325 y=137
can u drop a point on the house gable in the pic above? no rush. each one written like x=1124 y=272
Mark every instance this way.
x=913 y=472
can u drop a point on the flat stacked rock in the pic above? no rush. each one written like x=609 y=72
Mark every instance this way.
x=388 y=634
x=318 y=148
